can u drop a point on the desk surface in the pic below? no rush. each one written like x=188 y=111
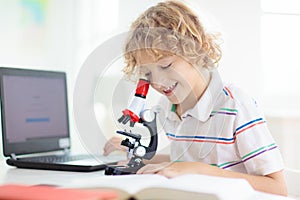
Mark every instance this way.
x=34 y=177
x=14 y=175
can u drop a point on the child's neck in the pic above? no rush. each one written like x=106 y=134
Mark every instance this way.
x=186 y=105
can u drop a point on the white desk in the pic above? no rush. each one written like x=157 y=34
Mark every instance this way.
x=34 y=177
x=48 y=177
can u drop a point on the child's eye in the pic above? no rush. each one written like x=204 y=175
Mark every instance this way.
x=166 y=66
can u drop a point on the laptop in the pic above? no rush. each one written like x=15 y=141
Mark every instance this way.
x=35 y=123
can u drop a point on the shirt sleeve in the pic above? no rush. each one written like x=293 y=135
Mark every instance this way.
x=254 y=142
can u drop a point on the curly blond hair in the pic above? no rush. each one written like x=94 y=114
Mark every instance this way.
x=170 y=28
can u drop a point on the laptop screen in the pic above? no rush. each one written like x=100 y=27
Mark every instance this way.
x=34 y=111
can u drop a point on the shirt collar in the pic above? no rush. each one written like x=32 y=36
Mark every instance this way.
x=205 y=105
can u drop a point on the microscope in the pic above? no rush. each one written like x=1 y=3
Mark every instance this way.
x=136 y=113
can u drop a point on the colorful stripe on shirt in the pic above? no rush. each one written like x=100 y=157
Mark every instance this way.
x=218 y=140
x=199 y=138
x=248 y=125
x=225 y=111
x=227 y=92
x=173 y=108
x=248 y=156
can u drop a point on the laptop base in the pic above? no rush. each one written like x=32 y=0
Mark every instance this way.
x=56 y=166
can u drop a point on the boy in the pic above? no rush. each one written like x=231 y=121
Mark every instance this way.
x=214 y=128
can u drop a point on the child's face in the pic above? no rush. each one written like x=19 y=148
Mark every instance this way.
x=174 y=77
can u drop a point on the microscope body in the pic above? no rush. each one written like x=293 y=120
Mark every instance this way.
x=135 y=113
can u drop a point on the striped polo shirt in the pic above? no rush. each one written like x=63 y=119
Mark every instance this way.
x=225 y=128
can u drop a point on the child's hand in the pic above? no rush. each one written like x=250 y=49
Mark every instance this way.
x=154 y=168
x=113 y=144
x=172 y=169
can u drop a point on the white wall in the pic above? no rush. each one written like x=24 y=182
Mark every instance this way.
x=37 y=37
x=28 y=40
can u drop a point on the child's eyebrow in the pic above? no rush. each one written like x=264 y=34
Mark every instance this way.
x=166 y=59
x=143 y=69
x=146 y=66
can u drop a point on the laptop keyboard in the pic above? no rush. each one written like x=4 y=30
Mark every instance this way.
x=55 y=158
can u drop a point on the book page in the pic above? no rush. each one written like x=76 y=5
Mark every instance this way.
x=172 y=194
x=126 y=183
x=224 y=188
x=191 y=186
x=213 y=187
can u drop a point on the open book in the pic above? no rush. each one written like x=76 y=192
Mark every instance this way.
x=182 y=187
x=44 y=192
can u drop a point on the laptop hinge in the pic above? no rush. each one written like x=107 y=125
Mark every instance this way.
x=13 y=156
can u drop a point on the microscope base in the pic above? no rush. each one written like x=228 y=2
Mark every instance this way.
x=120 y=170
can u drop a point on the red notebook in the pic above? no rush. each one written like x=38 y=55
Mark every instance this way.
x=22 y=192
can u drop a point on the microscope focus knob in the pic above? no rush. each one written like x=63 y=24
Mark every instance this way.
x=140 y=151
x=127 y=143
